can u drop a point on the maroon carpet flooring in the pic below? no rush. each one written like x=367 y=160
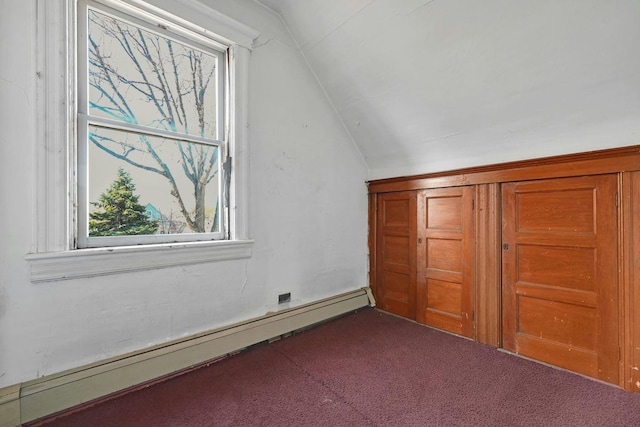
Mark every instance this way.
x=369 y=369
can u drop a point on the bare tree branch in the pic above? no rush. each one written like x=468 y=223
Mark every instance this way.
x=97 y=140
x=162 y=80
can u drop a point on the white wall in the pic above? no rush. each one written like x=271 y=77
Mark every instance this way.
x=308 y=216
x=434 y=85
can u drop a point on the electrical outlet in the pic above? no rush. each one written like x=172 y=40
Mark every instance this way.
x=283 y=298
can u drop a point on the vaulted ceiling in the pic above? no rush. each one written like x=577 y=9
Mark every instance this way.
x=432 y=85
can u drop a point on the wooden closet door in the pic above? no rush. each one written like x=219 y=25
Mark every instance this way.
x=396 y=253
x=446 y=255
x=560 y=283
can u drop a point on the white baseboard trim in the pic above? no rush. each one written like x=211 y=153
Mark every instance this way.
x=54 y=393
x=10 y=406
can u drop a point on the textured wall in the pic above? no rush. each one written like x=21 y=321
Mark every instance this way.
x=308 y=216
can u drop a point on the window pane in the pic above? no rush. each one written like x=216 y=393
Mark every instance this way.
x=176 y=185
x=140 y=77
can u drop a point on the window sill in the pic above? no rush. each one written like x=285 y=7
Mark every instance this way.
x=54 y=266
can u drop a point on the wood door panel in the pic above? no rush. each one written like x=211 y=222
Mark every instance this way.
x=574 y=359
x=560 y=283
x=444 y=213
x=573 y=268
x=396 y=249
x=545 y=211
x=444 y=254
x=396 y=253
x=398 y=307
x=396 y=212
x=446 y=259
x=564 y=323
x=444 y=297
x=396 y=286
x=446 y=322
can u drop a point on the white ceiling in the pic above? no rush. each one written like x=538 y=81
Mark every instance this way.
x=431 y=85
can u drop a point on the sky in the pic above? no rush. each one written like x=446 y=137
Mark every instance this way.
x=121 y=94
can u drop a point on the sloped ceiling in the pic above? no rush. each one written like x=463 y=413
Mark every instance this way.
x=433 y=85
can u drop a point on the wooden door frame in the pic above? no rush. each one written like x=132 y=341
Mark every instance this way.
x=488 y=282
x=624 y=161
x=629 y=247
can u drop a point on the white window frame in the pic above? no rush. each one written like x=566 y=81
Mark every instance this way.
x=182 y=35
x=54 y=255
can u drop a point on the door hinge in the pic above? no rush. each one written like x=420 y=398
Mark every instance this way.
x=617 y=199
x=473 y=204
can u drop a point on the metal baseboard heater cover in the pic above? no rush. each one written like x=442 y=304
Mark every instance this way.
x=54 y=393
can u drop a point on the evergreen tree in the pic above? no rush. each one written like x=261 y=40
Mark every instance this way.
x=119 y=212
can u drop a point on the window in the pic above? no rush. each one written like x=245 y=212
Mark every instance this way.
x=151 y=130
x=133 y=131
